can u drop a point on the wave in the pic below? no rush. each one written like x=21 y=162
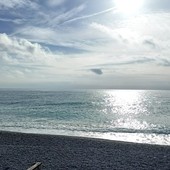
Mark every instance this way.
x=90 y=130
x=64 y=103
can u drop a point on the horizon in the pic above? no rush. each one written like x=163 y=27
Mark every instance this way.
x=58 y=44
x=78 y=89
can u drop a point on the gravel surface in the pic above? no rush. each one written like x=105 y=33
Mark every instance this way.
x=19 y=151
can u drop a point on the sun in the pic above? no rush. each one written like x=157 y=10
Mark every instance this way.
x=128 y=7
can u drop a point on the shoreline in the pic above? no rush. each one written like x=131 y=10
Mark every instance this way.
x=3 y=132
x=21 y=150
x=117 y=137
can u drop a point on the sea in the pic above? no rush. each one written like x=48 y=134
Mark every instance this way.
x=139 y=116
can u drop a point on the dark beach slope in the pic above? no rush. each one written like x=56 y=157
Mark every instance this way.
x=18 y=151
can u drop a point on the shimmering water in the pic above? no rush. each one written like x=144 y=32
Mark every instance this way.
x=127 y=115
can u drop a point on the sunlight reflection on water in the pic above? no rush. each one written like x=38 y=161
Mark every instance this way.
x=128 y=115
x=125 y=102
x=126 y=107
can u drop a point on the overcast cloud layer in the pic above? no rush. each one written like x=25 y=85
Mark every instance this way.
x=60 y=44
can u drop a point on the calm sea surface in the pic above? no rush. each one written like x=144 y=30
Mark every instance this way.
x=126 y=115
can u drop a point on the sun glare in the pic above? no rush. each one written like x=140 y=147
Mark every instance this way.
x=128 y=7
x=124 y=101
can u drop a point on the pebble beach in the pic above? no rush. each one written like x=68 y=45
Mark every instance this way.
x=18 y=151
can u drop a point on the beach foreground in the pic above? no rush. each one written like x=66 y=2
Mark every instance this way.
x=19 y=151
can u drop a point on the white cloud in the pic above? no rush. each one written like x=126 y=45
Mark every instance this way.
x=54 y=3
x=15 y=21
x=133 y=46
x=64 y=16
x=7 y=4
x=111 y=33
x=12 y=3
x=89 y=16
x=22 y=60
x=34 y=33
x=21 y=51
x=28 y=63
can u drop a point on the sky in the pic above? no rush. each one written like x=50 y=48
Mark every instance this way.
x=79 y=44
